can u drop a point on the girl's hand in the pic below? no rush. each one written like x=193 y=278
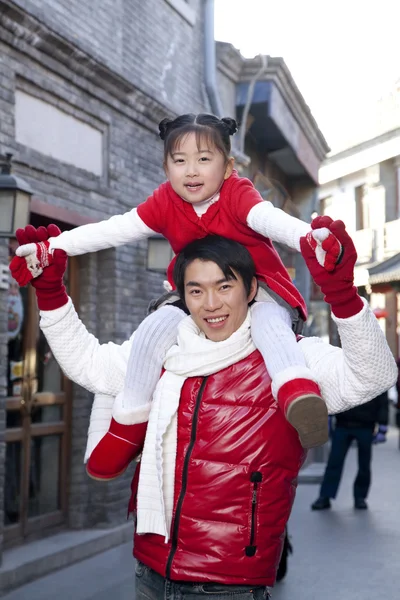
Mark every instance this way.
x=34 y=249
x=328 y=250
x=337 y=285
x=50 y=290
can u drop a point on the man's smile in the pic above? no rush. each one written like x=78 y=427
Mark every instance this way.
x=216 y=322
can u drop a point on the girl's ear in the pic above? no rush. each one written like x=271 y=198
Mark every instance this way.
x=229 y=167
x=165 y=169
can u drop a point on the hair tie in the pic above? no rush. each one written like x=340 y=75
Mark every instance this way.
x=230 y=124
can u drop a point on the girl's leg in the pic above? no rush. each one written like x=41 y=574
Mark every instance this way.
x=293 y=385
x=153 y=338
x=100 y=419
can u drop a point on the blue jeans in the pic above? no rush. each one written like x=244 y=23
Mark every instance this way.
x=152 y=586
x=341 y=441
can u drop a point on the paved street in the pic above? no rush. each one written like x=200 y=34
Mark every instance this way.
x=338 y=555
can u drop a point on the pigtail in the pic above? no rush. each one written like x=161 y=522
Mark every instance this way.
x=230 y=124
x=163 y=127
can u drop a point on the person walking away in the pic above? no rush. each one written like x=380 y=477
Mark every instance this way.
x=367 y=424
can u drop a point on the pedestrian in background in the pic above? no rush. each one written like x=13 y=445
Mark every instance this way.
x=367 y=424
x=397 y=403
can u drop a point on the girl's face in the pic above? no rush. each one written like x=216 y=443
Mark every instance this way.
x=196 y=174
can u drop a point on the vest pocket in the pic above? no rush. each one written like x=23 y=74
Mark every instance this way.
x=255 y=478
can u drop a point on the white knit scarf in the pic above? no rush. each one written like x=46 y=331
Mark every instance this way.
x=193 y=356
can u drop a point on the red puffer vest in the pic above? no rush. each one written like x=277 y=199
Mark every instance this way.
x=235 y=481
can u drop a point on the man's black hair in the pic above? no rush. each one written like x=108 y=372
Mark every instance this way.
x=230 y=256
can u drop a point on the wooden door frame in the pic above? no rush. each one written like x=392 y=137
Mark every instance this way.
x=32 y=528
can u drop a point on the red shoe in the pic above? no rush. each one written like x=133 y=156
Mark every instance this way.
x=301 y=402
x=116 y=450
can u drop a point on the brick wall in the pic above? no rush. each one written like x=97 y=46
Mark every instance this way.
x=148 y=43
x=121 y=67
x=3 y=383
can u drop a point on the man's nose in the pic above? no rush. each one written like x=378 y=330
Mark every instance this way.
x=212 y=302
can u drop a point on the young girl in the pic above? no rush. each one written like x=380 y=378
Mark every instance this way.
x=204 y=195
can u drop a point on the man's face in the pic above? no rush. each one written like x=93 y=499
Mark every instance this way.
x=218 y=306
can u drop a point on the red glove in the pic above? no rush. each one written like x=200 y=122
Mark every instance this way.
x=35 y=251
x=49 y=286
x=337 y=286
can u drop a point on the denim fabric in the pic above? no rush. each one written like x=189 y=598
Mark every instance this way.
x=341 y=441
x=152 y=586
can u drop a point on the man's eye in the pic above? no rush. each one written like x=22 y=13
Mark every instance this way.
x=194 y=292
x=226 y=286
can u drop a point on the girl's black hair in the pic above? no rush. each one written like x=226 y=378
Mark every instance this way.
x=230 y=256
x=210 y=128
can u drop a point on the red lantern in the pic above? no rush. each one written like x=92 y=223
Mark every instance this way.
x=380 y=313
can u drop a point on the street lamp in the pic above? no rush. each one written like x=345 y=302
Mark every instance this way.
x=159 y=254
x=15 y=195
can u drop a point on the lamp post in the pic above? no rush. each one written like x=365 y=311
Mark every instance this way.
x=159 y=254
x=15 y=195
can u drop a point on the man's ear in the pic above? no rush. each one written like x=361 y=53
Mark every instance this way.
x=253 y=290
x=229 y=167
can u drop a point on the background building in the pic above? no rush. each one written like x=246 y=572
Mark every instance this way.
x=280 y=136
x=361 y=186
x=81 y=95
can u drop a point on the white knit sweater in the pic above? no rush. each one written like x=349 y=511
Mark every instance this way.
x=264 y=218
x=363 y=368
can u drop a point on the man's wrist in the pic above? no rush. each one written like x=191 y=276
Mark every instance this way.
x=346 y=307
x=50 y=300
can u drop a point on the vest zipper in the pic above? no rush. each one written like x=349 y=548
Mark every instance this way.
x=255 y=478
x=174 y=538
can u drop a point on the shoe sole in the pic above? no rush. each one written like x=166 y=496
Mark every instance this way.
x=309 y=416
x=104 y=478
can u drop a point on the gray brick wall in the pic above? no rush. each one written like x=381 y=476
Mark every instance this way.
x=3 y=383
x=147 y=42
x=160 y=56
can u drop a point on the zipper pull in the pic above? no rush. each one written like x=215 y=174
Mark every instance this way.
x=254 y=498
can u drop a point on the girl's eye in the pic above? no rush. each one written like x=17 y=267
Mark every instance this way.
x=178 y=160
x=204 y=159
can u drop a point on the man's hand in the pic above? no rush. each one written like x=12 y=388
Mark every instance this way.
x=50 y=290
x=338 y=285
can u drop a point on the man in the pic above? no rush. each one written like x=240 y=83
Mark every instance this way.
x=358 y=424
x=219 y=462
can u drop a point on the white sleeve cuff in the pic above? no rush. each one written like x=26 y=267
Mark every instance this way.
x=50 y=317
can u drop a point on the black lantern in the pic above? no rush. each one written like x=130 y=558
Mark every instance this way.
x=159 y=254
x=15 y=195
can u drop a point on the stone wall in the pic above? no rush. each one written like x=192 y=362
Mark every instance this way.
x=119 y=69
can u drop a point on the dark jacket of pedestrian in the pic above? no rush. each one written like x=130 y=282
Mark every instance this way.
x=368 y=415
